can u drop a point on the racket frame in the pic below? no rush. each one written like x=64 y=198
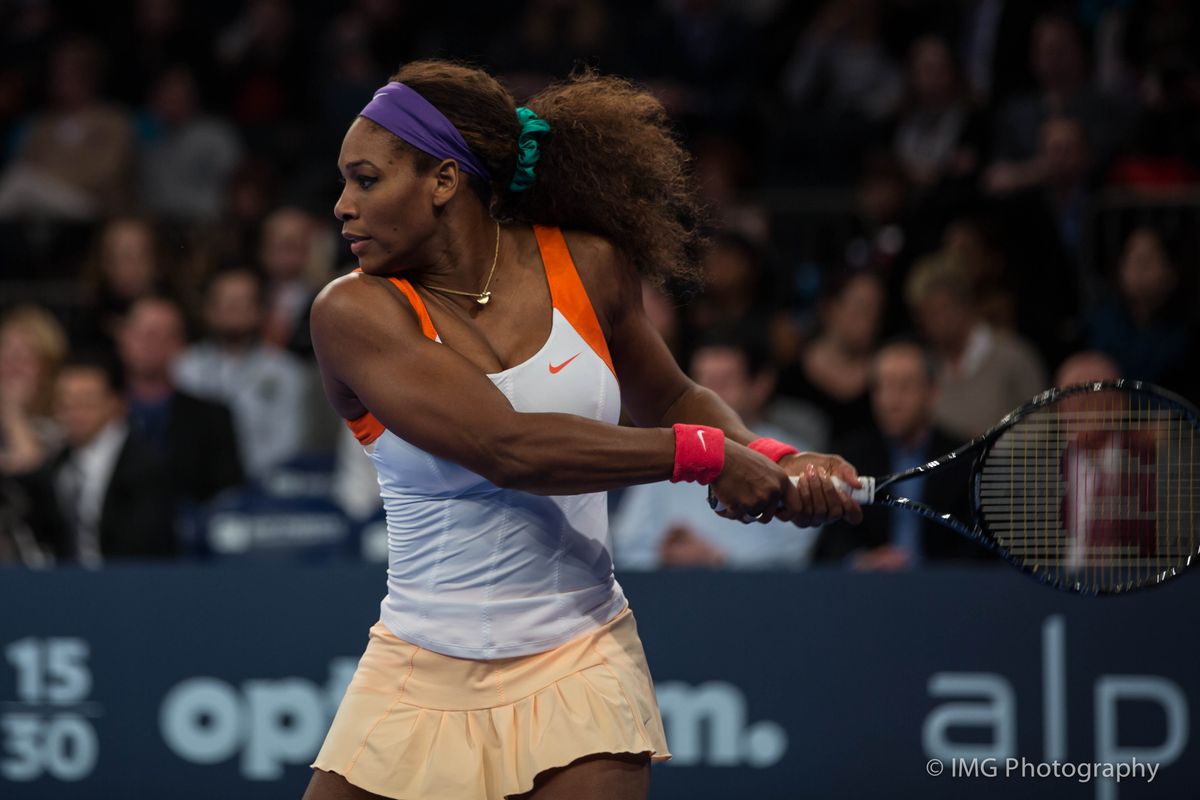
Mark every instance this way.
x=977 y=530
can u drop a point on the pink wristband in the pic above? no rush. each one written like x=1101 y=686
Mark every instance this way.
x=699 y=454
x=772 y=449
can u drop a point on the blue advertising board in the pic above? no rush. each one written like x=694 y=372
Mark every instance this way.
x=220 y=681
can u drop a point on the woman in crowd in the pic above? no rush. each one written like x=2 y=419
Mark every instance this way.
x=834 y=369
x=126 y=265
x=1146 y=326
x=32 y=347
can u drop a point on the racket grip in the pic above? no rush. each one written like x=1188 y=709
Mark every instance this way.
x=864 y=496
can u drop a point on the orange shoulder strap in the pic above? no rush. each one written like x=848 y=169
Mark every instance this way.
x=367 y=428
x=567 y=292
x=418 y=305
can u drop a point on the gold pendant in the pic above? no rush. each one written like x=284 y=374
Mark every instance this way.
x=483 y=298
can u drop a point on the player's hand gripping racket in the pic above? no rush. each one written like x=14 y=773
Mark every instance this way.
x=1090 y=488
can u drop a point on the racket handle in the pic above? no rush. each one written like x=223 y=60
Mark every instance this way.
x=864 y=496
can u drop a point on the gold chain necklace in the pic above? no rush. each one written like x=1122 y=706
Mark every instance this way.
x=480 y=297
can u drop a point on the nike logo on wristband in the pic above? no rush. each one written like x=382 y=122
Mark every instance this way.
x=554 y=370
x=702 y=442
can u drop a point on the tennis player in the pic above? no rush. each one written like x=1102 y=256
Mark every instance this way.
x=482 y=356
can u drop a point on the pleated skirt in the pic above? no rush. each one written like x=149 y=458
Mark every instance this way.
x=415 y=724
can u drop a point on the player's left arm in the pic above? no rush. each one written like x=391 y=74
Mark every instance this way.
x=654 y=390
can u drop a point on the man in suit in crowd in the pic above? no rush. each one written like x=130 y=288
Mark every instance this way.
x=194 y=437
x=903 y=396
x=106 y=494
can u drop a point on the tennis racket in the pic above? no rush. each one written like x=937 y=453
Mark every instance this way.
x=1091 y=488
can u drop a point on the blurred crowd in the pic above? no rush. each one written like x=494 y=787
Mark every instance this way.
x=923 y=213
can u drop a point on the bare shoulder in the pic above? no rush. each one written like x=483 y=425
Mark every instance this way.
x=343 y=294
x=608 y=274
x=354 y=319
x=357 y=302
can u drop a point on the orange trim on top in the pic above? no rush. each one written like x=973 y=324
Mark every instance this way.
x=366 y=428
x=418 y=305
x=567 y=292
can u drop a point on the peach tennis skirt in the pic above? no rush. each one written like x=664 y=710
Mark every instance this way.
x=415 y=724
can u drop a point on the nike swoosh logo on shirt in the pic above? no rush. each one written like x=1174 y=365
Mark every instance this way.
x=554 y=369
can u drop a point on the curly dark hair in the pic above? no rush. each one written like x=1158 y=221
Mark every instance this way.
x=610 y=164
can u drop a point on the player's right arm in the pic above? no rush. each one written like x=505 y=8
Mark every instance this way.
x=374 y=357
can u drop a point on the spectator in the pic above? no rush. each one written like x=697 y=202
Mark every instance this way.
x=297 y=261
x=1096 y=442
x=993 y=44
x=187 y=157
x=15 y=80
x=840 y=86
x=264 y=387
x=723 y=173
x=692 y=57
x=888 y=228
x=251 y=193
x=939 y=135
x=126 y=264
x=155 y=35
x=834 y=370
x=903 y=397
x=261 y=57
x=29 y=32
x=734 y=284
x=32 y=347
x=670 y=524
x=1147 y=328
x=194 y=437
x=105 y=496
x=984 y=373
x=75 y=160
x=1162 y=38
x=971 y=241
x=882 y=207
x=350 y=70
x=1042 y=207
x=737 y=292
x=547 y=38
x=1060 y=69
x=1086 y=367
x=1058 y=173
x=842 y=60
x=18 y=542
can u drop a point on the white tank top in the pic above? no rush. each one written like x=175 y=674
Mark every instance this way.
x=476 y=571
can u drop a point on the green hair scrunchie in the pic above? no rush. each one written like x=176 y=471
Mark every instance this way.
x=533 y=128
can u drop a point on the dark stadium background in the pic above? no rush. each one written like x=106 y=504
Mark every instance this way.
x=1043 y=155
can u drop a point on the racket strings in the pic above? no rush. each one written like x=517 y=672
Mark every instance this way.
x=1099 y=497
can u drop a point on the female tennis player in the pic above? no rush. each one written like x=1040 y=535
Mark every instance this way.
x=482 y=355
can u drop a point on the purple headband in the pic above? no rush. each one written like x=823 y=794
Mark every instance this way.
x=401 y=110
